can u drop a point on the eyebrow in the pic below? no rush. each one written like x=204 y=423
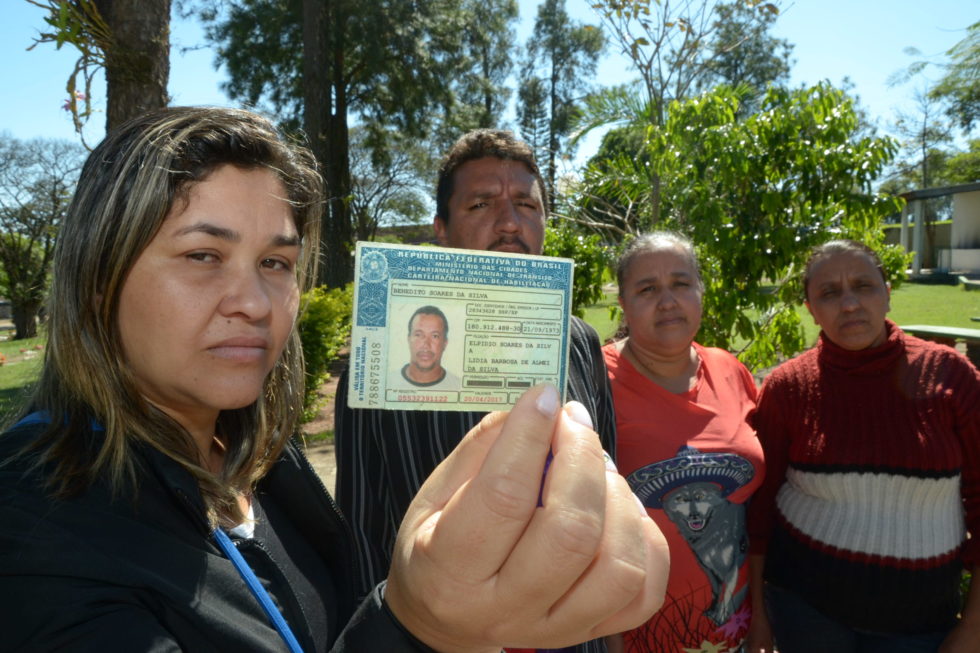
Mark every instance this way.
x=233 y=236
x=678 y=274
x=486 y=192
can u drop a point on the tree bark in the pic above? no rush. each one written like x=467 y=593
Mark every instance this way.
x=24 y=317
x=325 y=122
x=137 y=67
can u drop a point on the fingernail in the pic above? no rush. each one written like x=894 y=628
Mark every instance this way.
x=610 y=465
x=547 y=402
x=579 y=414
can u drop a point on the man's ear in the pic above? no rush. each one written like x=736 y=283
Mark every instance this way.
x=442 y=230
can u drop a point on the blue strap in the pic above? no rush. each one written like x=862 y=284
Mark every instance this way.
x=43 y=417
x=253 y=584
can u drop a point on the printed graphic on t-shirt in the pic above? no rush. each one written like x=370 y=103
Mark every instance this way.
x=692 y=489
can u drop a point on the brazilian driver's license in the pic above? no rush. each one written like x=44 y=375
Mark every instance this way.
x=454 y=329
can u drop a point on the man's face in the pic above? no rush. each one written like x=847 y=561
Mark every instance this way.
x=496 y=205
x=426 y=341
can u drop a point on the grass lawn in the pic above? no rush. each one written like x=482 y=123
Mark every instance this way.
x=20 y=369
x=598 y=315
x=912 y=303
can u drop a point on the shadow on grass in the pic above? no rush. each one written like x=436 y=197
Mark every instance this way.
x=11 y=402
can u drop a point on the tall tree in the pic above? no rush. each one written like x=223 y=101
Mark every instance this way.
x=562 y=54
x=754 y=194
x=137 y=63
x=532 y=115
x=743 y=51
x=960 y=85
x=676 y=48
x=320 y=66
x=923 y=133
x=37 y=178
x=964 y=167
x=480 y=92
x=387 y=189
x=128 y=39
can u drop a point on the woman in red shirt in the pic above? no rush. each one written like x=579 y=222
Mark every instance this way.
x=685 y=446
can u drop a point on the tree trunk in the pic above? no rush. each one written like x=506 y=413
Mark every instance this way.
x=338 y=268
x=550 y=164
x=325 y=121
x=24 y=315
x=137 y=67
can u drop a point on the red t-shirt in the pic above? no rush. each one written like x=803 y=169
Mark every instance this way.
x=693 y=460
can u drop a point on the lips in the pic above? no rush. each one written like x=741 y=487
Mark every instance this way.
x=851 y=324
x=241 y=349
x=671 y=321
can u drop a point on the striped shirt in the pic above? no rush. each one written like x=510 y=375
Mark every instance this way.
x=384 y=456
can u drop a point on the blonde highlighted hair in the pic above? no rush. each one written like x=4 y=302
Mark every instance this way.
x=127 y=187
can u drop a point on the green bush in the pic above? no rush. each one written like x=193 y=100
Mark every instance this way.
x=324 y=328
x=591 y=261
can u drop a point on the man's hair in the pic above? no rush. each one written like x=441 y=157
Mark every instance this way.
x=653 y=242
x=832 y=248
x=480 y=144
x=128 y=186
x=430 y=310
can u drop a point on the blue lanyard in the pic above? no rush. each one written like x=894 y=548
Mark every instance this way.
x=225 y=543
x=257 y=590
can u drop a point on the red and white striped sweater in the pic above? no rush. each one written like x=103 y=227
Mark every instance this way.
x=872 y=481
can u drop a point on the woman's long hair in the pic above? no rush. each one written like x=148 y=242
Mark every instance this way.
x=127 y=187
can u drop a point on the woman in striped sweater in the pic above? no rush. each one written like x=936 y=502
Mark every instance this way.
x=872 y=445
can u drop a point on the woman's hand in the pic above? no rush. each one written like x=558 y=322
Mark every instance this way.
x=478 y=564
x=759 y=637
x=964 y=638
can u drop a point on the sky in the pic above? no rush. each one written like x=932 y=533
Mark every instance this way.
x=863 y=40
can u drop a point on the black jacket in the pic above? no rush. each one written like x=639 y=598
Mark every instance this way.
x=141 y=572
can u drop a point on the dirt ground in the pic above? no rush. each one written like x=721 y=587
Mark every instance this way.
x=321 y=454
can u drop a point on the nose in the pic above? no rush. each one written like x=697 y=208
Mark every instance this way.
x=666 y=298
x=246 y=295
x=849 y=301
x=507 y=219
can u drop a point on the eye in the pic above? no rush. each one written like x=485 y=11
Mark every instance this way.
x=477 y=205
x=278 y=264
x=203 y=257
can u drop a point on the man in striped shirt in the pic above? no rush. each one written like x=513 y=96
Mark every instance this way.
x=489 y=196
